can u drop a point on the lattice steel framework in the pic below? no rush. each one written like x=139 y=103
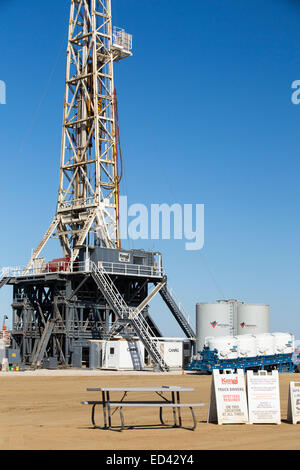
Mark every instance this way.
x=89 y=176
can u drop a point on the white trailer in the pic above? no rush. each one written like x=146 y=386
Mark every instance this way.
x=172 y=352
x=122 y=354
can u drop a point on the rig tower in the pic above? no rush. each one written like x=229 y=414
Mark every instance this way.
x=88 y=198
x=97 y=290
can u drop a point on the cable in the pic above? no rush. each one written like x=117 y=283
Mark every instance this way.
x=212 y=276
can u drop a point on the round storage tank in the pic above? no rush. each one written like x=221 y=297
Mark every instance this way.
x=225 y=345
x=265 y=344
x=246 y=346
x=284 y=343
x=212 y=320
x=253 y=319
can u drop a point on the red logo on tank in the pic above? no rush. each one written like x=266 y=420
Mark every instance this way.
x=214 y=324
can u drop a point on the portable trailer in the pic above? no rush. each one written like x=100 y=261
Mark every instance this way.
x=208 y=360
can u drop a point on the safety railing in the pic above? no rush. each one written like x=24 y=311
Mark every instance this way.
x=122 y=39
x=65 y=266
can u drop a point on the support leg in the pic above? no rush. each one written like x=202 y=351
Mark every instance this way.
x=174 y=410
x=122 y=418
x=194 y=419
x=93 y=417
x=161 y=416
x=104 y=409
x=178 y=409
x=108 y=409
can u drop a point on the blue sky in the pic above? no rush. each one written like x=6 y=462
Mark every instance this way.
x=206 y=117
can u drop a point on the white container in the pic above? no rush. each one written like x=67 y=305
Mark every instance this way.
x=212 y=320
x=265 y=344
x=246 y=346
x=253 y=319
x=172 y=353
x=284 y=343
x=123 y=355
x=225 y=345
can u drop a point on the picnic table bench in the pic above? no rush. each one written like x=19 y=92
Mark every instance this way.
x=172 y=402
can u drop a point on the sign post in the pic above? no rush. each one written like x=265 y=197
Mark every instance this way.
x=293 y=414
x=228 y=401
x=263 y=397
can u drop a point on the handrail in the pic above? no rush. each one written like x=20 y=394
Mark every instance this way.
x=123 y=311
x=83 y=267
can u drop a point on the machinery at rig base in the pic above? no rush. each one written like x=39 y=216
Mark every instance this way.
x=266 y=351
x=208 y=360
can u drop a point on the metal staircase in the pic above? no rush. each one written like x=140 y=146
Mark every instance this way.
x=179 y=316
x=135 y=356
x=135 y=312
x=127 y=315
x=152 y=345
x=110 y=292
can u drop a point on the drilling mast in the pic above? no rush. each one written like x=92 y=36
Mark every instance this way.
x=98 y=291
x=88 y=196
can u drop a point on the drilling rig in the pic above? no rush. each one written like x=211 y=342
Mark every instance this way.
x=96 y=290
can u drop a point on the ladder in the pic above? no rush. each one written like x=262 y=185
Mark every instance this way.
x=179 y=316
x=152 y=345
x=43 y=242
x=110 y=292
x=123 y=313
x=135 y=356
x=42 y=345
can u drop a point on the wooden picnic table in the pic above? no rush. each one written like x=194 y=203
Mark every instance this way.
x=173 y=401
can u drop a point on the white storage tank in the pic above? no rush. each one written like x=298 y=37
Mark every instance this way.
x=284 y=343
x=212 y=320
x=253 y=319
x=225 y=345
x=265 y=344
x=246 y=346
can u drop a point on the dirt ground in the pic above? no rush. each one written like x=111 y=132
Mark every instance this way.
x=43 y=412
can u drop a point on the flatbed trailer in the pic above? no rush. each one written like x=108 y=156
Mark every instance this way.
x=208 y=360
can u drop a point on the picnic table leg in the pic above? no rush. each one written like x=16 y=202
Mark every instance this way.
x=121 y=418
x=104 y=410
x=93 y=415
x=174 y=410
x=93 y=418
x=108 y=409
x=194 y=419
x=161 y=416
x=178 y=409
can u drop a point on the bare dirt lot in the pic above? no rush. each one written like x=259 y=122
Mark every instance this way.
x=43 y=412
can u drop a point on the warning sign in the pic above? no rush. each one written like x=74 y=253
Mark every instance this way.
x=293 y=414
x=263 y=397
x=228 y=401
